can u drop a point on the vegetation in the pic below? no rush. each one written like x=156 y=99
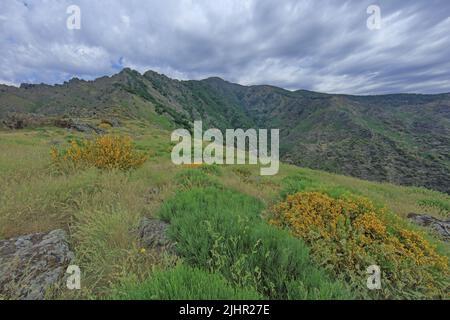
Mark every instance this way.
x=348 y=234
x=182 y=283
x=221 y=231
x=105 y=152
x=442 y=206
x=218 y=215
x=401 y=138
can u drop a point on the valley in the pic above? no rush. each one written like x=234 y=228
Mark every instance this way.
x=402 y=138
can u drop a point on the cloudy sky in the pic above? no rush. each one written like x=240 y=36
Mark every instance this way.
x=317 y=45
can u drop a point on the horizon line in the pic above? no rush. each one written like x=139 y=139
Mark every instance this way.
x=19 y=86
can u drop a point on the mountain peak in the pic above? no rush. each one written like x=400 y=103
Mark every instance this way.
x=215 y=79
x=129 y=71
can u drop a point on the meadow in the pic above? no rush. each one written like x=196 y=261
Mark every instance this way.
x=220 y=218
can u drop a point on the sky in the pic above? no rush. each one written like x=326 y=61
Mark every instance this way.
x=327 y=46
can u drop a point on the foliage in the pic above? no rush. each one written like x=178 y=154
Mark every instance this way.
x=442 y=206
x=98 y=208
x=192 y=178
x=105 y=152
x=182 y=283
x=383 y=138
x=221 y=231
x=348 y=234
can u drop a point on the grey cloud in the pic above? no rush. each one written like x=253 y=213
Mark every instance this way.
x=316 y=45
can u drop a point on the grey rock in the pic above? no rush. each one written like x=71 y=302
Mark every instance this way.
x=85 y=127
x=441 y=227
x=78 y=126
x=30 y=264
x=153 y=234
x=113 y=122
x=17 y=121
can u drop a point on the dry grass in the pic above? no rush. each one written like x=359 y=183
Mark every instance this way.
x=99 y=209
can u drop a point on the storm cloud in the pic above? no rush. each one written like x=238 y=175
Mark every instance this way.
x=315 y=45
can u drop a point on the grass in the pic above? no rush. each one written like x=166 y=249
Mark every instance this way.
x=221 y=231
x=182 y=282
x=99 y=210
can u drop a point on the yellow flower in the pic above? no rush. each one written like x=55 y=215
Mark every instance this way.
x=105 y=152
x=344 y=234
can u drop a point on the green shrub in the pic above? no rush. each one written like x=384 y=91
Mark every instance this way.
x=221 y=231
x=182 y=283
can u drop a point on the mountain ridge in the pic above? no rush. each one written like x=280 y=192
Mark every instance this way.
x=127 y=69
x=399 y=138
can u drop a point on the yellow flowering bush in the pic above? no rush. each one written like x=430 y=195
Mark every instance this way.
x=347 y=235
x=105 y=152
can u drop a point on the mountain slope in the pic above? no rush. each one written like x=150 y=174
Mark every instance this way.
x=403 y=138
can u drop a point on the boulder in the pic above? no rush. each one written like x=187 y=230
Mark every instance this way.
x=153 y=235
x=113 y=122
x=30 y=264
x=441 y=227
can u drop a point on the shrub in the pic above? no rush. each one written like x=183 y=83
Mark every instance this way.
x=221 y=231
x=105 y=152
x=182 y=283
x=348 y=234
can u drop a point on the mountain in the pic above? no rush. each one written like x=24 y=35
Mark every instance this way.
x=399 y=138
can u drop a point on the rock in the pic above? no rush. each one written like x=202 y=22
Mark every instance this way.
x=76 y=125
x=439 y=226
x=113 y=122
x=152 y=234
x=30 y=264
x=17 y=121
x=86 y=127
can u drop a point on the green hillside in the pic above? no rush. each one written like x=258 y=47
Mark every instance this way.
x=403 y=139
x=219 y=217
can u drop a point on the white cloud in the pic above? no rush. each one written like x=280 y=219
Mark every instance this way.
x=317 y=45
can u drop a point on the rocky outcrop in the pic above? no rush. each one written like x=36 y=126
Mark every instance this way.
x=441 y=227
x=78 y=126
x=30 y=264
x=113 y=122
x=153 y=235
x=17 y=121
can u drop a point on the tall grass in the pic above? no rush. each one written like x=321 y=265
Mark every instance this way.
x=180 y=283
x=221 y=231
